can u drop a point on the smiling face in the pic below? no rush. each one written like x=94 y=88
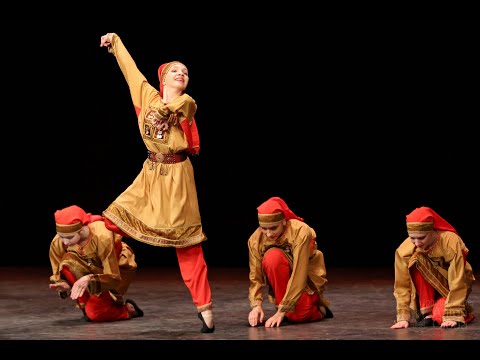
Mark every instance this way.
x=176 y=78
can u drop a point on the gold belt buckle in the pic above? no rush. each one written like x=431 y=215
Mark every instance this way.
x=159 y=157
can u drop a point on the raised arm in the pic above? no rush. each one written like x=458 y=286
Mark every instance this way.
x=140 y=90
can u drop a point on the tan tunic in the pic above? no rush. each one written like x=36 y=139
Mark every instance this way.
x=98 y=256
x=454 y=280
x=160 y=207
x=308 y=266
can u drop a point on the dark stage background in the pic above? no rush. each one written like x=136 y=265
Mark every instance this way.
x=353 y=123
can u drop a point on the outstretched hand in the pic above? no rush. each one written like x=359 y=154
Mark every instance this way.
x=275 y=320
x=256 y=316
x=449 y=324
x=80 y=286
x=60 y=286
x=106 y=40
x=403 y=324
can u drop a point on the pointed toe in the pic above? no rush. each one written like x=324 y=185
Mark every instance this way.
x=205 y=329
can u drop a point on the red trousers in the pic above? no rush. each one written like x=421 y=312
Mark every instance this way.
x=98 y=308
x=193 y=269
x=194 y=274
x=277 y=269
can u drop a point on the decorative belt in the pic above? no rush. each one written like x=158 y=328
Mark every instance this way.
x=167 y=158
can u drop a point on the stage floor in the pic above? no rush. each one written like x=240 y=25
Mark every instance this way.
x=361 y=300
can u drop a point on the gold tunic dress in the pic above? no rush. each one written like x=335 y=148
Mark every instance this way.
x=98 y=256
x=307 y=264
x=160 y=207
x=448 y=272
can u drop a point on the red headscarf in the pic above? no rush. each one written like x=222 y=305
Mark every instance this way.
x=190 y=129
x=425 y=219
x=72 y=218
x=275 y=210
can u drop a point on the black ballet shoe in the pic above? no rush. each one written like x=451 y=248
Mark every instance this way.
x=424 y=321
x=85 y=317
x=138 y=311
x=328 y=313
x=205 y=329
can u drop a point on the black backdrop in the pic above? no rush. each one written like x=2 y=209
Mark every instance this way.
x=353 y=123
